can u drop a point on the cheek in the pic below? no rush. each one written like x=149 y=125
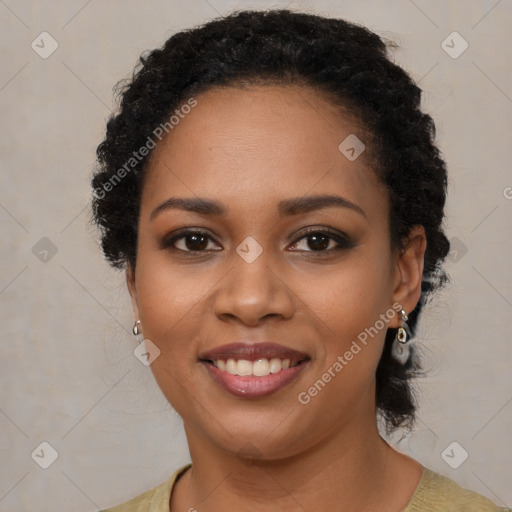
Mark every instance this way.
x=351 y=296
x=348 y=306
x=175 y=311
x=170 y=303
x=171 y=310
x=172 y=316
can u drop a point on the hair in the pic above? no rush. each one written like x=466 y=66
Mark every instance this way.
x=346 y=62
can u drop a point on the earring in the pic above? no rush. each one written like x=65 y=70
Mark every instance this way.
x=137 y=330
x=400 y=349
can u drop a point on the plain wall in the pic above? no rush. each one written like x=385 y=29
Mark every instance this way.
x=69 y=376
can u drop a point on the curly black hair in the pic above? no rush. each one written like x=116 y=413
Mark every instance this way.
x=348 y=63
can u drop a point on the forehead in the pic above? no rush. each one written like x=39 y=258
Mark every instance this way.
x=261 y=141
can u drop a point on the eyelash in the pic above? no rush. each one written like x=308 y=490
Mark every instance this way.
x=342 y=240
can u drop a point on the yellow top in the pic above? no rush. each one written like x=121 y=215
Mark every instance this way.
x=434 y=493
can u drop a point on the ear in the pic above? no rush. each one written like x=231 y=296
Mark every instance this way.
x=130 y=282
x=408 y=272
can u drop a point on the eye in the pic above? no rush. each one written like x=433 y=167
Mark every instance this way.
x=314 y=240
x=321 y=241
x=189 y=241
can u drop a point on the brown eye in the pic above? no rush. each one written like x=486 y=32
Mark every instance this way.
x=322 y=242
x=195 y=242
x=318 y=242
x=190 y=241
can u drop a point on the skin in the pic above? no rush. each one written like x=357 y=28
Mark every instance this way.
x=249 y=149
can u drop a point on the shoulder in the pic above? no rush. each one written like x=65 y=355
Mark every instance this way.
x=438 y=493
x=154 y=500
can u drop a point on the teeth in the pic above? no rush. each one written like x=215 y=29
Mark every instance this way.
x=258 y=368
x=244 y=367
x=231 y=366
x=275 y=365
x=261 y=367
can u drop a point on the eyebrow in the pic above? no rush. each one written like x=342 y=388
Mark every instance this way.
x=287 y=207
x=190 y=204
x=307 y=204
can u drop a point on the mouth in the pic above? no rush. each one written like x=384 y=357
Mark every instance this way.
x=253 y=370
x=259 y=368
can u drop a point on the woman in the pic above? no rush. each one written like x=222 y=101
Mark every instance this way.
x=276 y=198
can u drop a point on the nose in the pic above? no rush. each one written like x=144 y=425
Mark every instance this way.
x=251 y=292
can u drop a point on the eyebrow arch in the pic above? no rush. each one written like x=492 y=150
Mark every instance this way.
x=286 y=207
x=307 y=204
x=190 y=204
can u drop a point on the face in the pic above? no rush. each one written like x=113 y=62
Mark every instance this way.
x=290 y=245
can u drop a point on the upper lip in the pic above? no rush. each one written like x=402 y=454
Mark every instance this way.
x=253 y=352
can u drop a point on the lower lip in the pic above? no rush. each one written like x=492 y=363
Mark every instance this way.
x=251 y=386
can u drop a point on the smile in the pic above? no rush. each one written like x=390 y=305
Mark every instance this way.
x=259 y=368
x=253 y=370
x=252 y=385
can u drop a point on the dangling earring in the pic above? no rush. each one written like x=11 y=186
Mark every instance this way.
x=400 y=349
x=137 y=330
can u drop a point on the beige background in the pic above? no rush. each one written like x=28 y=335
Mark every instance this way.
x=68 y=373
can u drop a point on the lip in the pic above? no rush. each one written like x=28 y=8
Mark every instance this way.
x=251 y=386
x=253 y=352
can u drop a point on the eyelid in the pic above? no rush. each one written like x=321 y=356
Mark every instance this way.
x=169 y=240
x=342 y=239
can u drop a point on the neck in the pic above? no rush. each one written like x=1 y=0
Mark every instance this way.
x=353 y=469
